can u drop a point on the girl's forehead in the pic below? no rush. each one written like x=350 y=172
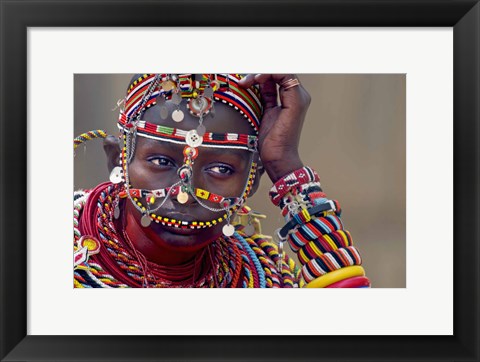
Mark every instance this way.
x=224 y=120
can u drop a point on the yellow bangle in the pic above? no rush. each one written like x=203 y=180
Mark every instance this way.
x=336 y=275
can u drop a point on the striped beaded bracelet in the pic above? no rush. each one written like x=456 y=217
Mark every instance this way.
x=317 y=228
x=325 y=244
x=329 y=262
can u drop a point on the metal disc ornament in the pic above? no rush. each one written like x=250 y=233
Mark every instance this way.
x=163 y=112
x=182 y=197
x=228 y=230
x=168 y=85
x=201 y=130
x=177 y=115
x=116 y=175
x=176 y=98
x=145 y=220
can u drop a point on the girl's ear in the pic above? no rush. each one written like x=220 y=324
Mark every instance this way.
x=112 y=147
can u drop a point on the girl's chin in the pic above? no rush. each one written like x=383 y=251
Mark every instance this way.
x=179 y=236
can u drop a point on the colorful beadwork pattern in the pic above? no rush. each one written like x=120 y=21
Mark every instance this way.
x=289 y=182
x=176 y=135
x=239 y=261
x=225 y=86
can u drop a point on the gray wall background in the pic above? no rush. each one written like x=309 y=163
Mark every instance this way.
x=354 y=136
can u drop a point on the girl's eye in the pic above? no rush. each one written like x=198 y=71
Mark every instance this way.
x=161 y=161
x=221 y=170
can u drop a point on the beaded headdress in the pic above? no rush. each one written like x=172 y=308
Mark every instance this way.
x=200 y=92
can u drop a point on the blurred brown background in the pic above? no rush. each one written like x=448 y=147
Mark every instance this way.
x=354 y=136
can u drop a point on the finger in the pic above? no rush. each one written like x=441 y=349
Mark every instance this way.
x=252 y=79
x=280 y=79
x=268 y=91
x=295 y=96
x=247 y=81
x=291 y=94
x=268 y=88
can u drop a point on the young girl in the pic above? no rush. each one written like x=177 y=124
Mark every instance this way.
x=192 y=148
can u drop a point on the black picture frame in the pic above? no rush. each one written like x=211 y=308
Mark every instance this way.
x=18 y=15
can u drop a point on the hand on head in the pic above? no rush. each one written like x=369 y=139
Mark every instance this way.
x=285 y=103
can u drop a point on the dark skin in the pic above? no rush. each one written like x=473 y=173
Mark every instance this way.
x=221 y=171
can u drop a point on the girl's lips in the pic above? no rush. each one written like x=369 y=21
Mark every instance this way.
x=182 y=229
x=179 y=216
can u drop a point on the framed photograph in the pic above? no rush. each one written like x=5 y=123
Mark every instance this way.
x=59 y=58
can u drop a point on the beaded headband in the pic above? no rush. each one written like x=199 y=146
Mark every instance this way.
x=201 y=92
x=179 y=136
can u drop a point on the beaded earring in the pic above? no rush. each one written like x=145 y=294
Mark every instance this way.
x=228 y=229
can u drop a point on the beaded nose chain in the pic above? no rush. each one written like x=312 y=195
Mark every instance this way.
x=202 y=91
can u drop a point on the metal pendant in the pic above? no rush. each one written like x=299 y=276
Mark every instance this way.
x=182 y=197
x=201 y=130
x=116 y=175
x=168 y=85
x=116 y=212
x=177 y=115
x=176 y=98
x=163 y=112
x=228 y=230
x=145 y=220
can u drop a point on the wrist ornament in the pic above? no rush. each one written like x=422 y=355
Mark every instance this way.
x=291 y=183
x=336 y=276
x=324 y=244
x=329 y=262
x=304 y=215
x=355 y=282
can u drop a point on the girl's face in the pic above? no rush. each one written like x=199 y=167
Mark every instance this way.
x=221 y=171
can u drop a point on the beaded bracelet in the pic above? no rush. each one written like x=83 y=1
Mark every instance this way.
x=319 y=228
x=305 y=216
x=307 y=195
x=325 y=244
x=293 y=203
x=287 y=183
x=336 y=276
x=355 y=282
x=329 y=262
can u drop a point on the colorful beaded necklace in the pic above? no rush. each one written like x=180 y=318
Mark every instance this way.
x=236 y=261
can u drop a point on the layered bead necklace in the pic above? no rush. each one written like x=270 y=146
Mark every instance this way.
x=237 y=261
x=221 y=264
